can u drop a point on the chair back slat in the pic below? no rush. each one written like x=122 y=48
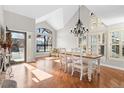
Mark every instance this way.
x=77 y=51
x=62 y=54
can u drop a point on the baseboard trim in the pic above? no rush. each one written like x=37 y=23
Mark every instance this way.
x=119 y=68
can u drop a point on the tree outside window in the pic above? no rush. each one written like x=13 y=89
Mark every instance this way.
x=43 y=40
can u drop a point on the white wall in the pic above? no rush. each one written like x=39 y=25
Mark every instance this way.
x=46 y=25
x=114 y=62
x=1 y=16
x=21 y=23
x=2 y=19
x=67 y=40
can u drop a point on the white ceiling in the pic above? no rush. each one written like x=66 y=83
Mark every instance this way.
x=56 y=15
x=32 y=11
x=109 y=14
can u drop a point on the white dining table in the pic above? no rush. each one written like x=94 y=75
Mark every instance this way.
x=90 y=58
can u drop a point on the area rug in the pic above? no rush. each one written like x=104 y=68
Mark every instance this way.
x=9 y=84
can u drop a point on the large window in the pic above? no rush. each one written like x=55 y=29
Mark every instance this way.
x=117 y=44
x=43 y=40
x=96 y=43
x=83 y=42
x=101 y=43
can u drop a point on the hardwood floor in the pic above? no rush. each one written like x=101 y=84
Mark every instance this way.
x=24 y=77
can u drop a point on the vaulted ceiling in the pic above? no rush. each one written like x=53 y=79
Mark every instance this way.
x=109 y=14
x=58 y=15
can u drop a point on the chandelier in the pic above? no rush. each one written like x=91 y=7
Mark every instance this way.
x=79 y=28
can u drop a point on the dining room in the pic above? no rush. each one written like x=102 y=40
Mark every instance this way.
x=72 y=46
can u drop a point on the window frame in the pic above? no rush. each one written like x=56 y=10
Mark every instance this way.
x=42 y=32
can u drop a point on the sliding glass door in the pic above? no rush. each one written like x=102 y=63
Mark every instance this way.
x=18 y=46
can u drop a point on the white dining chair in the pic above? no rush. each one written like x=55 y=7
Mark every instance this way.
x=64 y=59
x=77 y=62
x=94 y=64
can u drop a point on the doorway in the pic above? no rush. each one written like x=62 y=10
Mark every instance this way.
x=18 y=49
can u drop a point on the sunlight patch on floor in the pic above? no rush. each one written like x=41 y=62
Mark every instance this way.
x=50 y=58
x=57 y=61
x=35 y=80
x=41 y=75
x=29 y=67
